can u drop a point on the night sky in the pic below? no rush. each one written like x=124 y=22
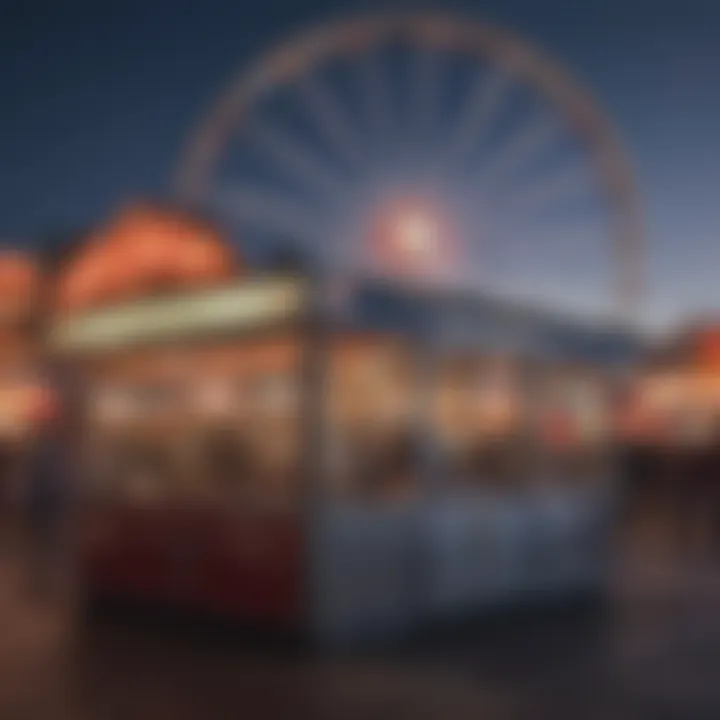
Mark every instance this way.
x=98 y=98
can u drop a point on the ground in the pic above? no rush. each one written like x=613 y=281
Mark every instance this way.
x=653 y=653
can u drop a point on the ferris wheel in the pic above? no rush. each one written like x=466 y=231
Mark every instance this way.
x=472 y=147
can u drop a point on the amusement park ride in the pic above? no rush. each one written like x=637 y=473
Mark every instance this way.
x=415 y=450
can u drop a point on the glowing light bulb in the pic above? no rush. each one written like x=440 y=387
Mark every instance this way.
x=411 y=237
x=417 y=233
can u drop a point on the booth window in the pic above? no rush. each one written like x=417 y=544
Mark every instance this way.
x=371 y=425
x=477 y=421
x=573 y=428
x=272 y=434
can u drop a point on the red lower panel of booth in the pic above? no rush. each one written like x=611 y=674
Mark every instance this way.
x=248 y=566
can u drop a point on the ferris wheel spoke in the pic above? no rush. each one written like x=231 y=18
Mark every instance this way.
x=331 y=119
x=262 y=209
x=573 y=180
x=296 y=160
x=375 y=100
x=476 y=115
x=568 y=244
x=424 y=80
x=574 y=237
x=522 y=149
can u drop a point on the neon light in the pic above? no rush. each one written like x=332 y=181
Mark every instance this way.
x=229 y=308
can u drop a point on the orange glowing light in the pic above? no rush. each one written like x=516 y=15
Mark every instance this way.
x=201 y=259
x=140 y=251
x=19 y=282
x=708 y=349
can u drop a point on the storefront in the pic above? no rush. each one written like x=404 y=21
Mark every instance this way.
x=349 y=471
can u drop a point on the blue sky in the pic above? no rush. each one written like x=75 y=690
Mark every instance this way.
x=98 y=99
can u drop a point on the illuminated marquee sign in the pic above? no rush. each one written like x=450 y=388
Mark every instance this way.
x=238 y=307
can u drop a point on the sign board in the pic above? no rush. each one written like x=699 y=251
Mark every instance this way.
x=243 y=306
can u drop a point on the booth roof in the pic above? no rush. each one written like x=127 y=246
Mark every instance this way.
x=474 y=319
x=59 y=248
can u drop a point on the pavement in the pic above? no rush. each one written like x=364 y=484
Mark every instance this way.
x=654 y=652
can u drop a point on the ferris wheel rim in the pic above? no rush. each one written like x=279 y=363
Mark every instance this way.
x=291 y=59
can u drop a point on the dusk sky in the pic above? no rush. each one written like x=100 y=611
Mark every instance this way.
x=98 y=99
